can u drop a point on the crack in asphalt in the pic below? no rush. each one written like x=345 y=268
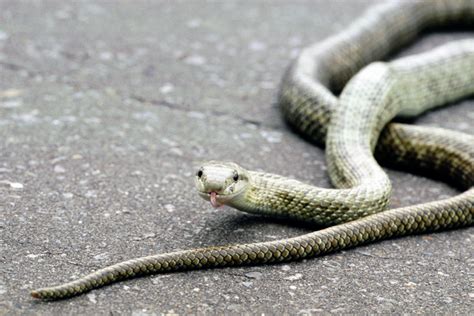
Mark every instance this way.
x=186 y=109
x=167 y=104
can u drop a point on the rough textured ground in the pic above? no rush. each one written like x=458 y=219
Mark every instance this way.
x=105 y=110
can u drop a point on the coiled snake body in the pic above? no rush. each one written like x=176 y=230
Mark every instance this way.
x=367 y=103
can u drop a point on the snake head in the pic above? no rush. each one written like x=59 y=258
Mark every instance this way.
x=221 y=182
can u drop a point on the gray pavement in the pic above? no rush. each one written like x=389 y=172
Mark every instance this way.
x=105 y=110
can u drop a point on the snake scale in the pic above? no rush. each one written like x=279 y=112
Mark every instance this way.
x=370 y=98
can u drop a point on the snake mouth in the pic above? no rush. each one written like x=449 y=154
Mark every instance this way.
x=217 y=199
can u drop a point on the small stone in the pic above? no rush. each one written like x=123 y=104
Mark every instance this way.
x=254 y=275
x=92 y=298
x=16 y=185
x=447 y=300
x=101 y=256
x=295 y=277
x=58 y=159
x=171 y=312
x=68 y=195
x=170 y=208
x=285 y=268
x=247 y=284
x=33 y=256
x=166 y=88
x=10 y=93
x=59 y=169
x=12 y=185
x=195 y=60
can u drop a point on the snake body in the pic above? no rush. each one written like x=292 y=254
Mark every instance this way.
x=368 y=102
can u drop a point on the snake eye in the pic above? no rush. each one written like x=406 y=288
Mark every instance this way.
x=199 y=173
x=236 y=177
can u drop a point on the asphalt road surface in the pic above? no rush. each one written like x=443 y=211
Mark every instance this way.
x=107 y=107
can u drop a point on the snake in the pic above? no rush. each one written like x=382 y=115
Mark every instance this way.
x=352 y=126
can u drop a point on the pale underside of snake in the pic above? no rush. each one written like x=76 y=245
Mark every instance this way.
x=372 y=98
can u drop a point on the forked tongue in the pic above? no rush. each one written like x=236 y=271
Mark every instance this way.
x=213 y=200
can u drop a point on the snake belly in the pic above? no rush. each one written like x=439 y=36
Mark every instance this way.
x=451 y=68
